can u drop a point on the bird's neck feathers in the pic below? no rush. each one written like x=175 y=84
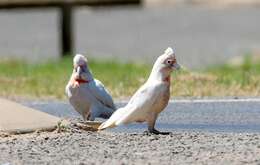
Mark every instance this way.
x=159 y=74
x=88 y=75
x=85 y=77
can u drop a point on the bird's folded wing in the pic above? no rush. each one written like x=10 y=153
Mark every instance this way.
x=126 y=114
x=137 y=106
x=98 y=90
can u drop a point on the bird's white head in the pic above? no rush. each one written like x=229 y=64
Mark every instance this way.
x=81 y=72
x=168 y=61
x=165 y=64
x=79 y=60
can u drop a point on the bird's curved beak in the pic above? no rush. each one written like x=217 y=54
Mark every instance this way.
x=78 y=71
x=176 y=66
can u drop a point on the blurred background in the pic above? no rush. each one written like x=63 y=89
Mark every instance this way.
x=202 y=31
x=217 y=42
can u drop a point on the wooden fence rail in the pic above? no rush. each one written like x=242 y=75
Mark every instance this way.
x=66 y=14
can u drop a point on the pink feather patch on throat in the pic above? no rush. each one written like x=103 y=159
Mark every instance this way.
x=167 y=79
x=80 y=81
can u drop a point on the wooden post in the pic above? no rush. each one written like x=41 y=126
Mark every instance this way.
x=66 y=30
x=66 y=37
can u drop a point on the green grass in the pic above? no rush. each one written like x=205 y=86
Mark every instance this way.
x=49 y=79
x=242 y=74
x=123 y=79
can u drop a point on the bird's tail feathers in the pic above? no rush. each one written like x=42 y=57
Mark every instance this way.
x=106 y=125
x=106 y=112
x=111 y=122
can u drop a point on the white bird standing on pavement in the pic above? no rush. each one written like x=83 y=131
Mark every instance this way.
x=150 y=99
x=87 y=95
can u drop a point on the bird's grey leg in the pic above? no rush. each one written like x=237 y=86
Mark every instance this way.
x=91 y=117
x=151 y=123
x=87 y=116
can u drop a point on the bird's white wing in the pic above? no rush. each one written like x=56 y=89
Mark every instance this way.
x=99 y=91
x=136 y=108
x=133 y=111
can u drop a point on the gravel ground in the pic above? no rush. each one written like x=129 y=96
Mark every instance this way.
x=203 y=132
x=82 y=147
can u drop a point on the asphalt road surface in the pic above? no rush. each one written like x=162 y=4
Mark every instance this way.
x=201 y=35
x=217 y=115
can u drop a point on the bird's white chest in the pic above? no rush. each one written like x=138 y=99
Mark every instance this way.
x=161 y=98
x=79 y=93
x=158 y=99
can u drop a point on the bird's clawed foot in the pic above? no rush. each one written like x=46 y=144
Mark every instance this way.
x=156 y=132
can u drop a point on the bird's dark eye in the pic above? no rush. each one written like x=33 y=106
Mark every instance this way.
x=169 y=61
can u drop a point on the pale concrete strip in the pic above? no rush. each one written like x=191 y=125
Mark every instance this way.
x=16 y=118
